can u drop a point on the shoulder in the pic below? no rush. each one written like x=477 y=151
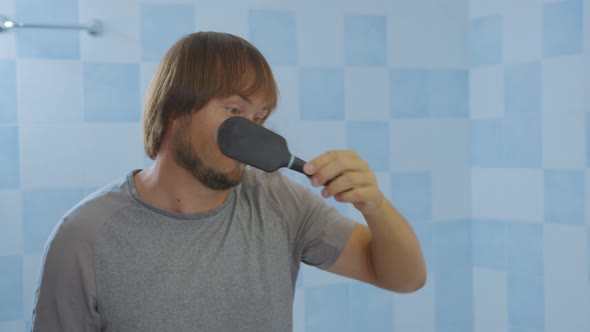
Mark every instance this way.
x=80 y=224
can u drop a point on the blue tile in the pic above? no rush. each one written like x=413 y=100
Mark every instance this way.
x=522 y=141
x=448 y=95
x=321 y=93
x=409 y=93
x=273 y=33
x=299 y=282
x=524 y=248
x=43 y=43
x=562 y=28
x=522 y=88
x=526 y=302
x=42 y=210
x=371 y=141
x=8 y=112
x=564 y=197
x=326 y=308
x=588 y=250
x=161 y=26
x=485 y=41
x=9 y=158
x=489 y=249
x=365 y=40
x=111 y=92
x=412 y=195
x=11 y=288
x=425 y=233
x=514 y=141
x=452 y=245
x=371 y=308
x=454 y=300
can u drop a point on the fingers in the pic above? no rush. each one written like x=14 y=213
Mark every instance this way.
x=332 y=164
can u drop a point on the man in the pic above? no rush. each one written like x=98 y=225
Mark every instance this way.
x=197 y=242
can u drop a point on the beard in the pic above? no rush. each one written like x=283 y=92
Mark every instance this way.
x=188 y=159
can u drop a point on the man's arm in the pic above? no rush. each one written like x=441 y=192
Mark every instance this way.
x=387 y=253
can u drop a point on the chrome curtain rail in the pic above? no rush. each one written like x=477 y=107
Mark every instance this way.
x=94 y=28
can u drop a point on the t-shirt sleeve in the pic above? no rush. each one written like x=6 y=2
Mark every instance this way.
x=65 y=298
x=318 y=230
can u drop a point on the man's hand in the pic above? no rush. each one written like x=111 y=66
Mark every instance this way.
x=348 y=178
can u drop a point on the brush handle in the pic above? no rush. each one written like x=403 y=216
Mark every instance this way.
x=297 y=165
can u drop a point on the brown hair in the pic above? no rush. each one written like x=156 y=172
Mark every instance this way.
x=199 y=67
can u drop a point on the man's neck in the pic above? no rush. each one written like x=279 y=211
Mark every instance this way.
x=170 y=187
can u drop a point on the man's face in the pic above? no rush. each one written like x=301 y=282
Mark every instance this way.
x=195 y=146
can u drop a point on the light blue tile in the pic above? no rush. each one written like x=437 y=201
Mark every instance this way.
x=524 y=248
x=454 y=300
x=485 y=41
x=425 y=233
x=452 y=245
x=326 y=308
x=489 y=244
x=371 y=308
x=564 y=196
x=43 y=43
x=409 y=93
x=448 y=95
x=273 y=33
x=412 y=194
x=562 y=28
x=365 y=40
x=371 y=141
x=8 y=111
x=522 y=88
x=11 y=288
x=9 y=158
x=111 y=92
x=161 y=26
x=321 y=93
x=366 y=93
x=514 y=141
x=526 y=302
x=42 y=210
x=588 y=253
x=522 y=141
x=299 y=282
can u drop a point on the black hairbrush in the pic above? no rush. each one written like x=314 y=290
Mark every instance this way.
x=254 y=145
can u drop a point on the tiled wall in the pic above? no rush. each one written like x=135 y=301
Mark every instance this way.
x=529 y=87
x=466 y=110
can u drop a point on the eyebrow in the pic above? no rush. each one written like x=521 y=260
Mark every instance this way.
x=249 y=101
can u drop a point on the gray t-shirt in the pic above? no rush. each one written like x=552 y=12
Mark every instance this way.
x=116 y=263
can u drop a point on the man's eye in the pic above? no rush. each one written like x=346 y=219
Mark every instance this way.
x=233 y=110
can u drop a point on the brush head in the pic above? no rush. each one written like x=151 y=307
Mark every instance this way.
x=252 y=144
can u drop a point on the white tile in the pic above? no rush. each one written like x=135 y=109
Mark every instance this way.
x=587 y=198
x=312 y=276
x=479 y=8
x=285 y=118
x=11 y=225
x=113 y=150
x=560 y=130
x=320 y=36
x=411 y=145
x=507 y=194
x=318 y=137
x=490 y=307
x=565 y=253
x=415 y=311
x=8 y=40
x=366 y=93
x=562 y=85
x=450 y=143
x=429 y=33
x=486 y=92
x=50 y=156
x=120 y=39
x=222 y=17
x=566 y=306
x=521 y=31
x=451 y=193
x=49 y=91
x=31 y=270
